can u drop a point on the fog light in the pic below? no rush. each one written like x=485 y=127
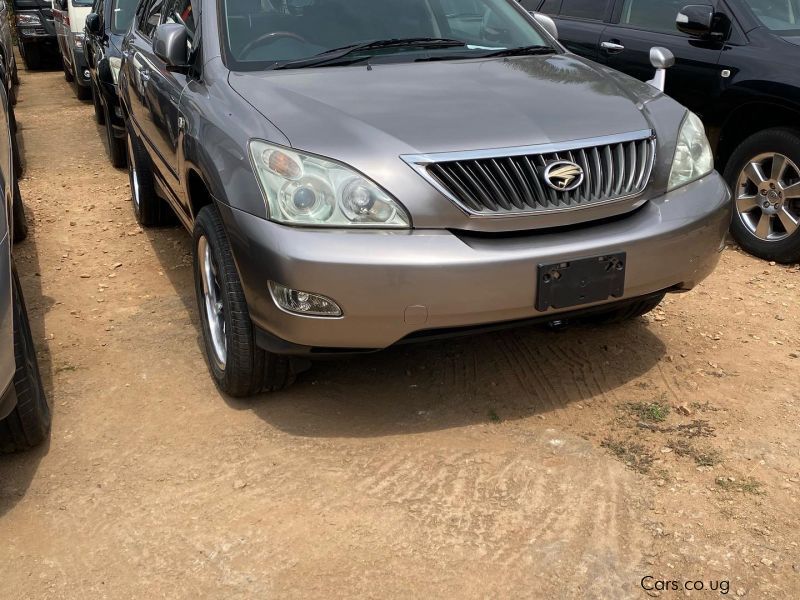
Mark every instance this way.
x=86 y=74
x=303 y=303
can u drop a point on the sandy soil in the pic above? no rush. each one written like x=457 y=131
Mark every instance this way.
x=522 y=464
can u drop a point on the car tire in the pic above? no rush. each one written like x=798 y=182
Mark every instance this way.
x=238 y=366
x=32 y=56
x=15 y=76
x=99 y=112
x=628 y=312
x=765 y=224
x=117 y=151
x=67 y=73
x=82 y=92
x=150 y=210
x=29 y=423
x=19 y=164
x=20 y=224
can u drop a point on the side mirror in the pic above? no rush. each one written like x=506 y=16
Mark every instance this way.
x=93 y=24
x=662 y=59
x=546 y=22
x=697 y=21
x=169 y=44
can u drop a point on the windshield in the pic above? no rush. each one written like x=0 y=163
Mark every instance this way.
x=781 y=16
x=122 y=13
x=264 y=33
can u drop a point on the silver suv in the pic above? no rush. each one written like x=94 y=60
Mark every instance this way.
x=362 y=173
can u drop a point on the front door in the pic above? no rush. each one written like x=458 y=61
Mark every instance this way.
x=695 y=81
x=157 y=91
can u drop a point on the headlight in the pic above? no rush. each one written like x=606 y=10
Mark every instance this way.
x=693 y=156
x=24 y=20
x=302 y=189
x=115 y=64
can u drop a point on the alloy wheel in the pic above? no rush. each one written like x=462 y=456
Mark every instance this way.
x=768 y=197
x=212 y=300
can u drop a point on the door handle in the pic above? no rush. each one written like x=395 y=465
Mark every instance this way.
x=612 y=47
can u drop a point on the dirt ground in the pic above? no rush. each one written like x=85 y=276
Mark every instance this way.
x=528 y=464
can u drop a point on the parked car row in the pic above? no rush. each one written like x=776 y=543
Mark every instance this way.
x=736 y=67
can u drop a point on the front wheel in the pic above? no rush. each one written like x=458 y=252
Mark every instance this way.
x=29 y=423
x=150 y=210
x=32 y=56
x=238 y=366
x=99 y=114
x=764 y=174
x=117 y=152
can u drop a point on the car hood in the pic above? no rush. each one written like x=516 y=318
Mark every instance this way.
x=412 y=108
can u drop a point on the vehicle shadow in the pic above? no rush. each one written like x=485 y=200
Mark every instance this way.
x=17 y=470
x=499 y=376
x=505 y=375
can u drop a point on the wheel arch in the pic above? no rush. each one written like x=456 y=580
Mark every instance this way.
x=748 y=119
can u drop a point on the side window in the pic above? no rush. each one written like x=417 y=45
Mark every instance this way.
x=182 y=11
x=549 y=7
x=595 y=10
x=652 y=15
x=150 y=17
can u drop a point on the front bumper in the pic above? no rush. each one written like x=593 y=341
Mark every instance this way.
x=393 y=284
x=81 y=67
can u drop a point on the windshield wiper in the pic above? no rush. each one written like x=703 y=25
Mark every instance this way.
x=337 y=54
x=520 y=51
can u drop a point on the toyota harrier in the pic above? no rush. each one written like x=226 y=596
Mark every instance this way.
x=362 y=173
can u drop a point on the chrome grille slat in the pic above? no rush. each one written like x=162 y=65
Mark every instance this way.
x=511 y=182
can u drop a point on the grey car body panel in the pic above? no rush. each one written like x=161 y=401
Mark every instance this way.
x=465 y=270
x=7 y=361
x=672 y=243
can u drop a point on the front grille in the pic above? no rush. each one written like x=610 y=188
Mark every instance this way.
x=513 y=183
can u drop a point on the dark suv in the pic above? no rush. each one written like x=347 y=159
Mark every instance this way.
x=736 y=67
x=36 y=32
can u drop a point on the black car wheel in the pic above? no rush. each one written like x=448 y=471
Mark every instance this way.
x=20 y=225
x=32 y=56
x=764 y=174
x=99 y=113
x=19 y=164
x=29 y=423
x=238 y=366
x=117 y=149
x=67 y=72
x=150 y=210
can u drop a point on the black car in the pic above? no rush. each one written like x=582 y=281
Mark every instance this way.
x=36 y=32
x=737 y=68
x=105 y=28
